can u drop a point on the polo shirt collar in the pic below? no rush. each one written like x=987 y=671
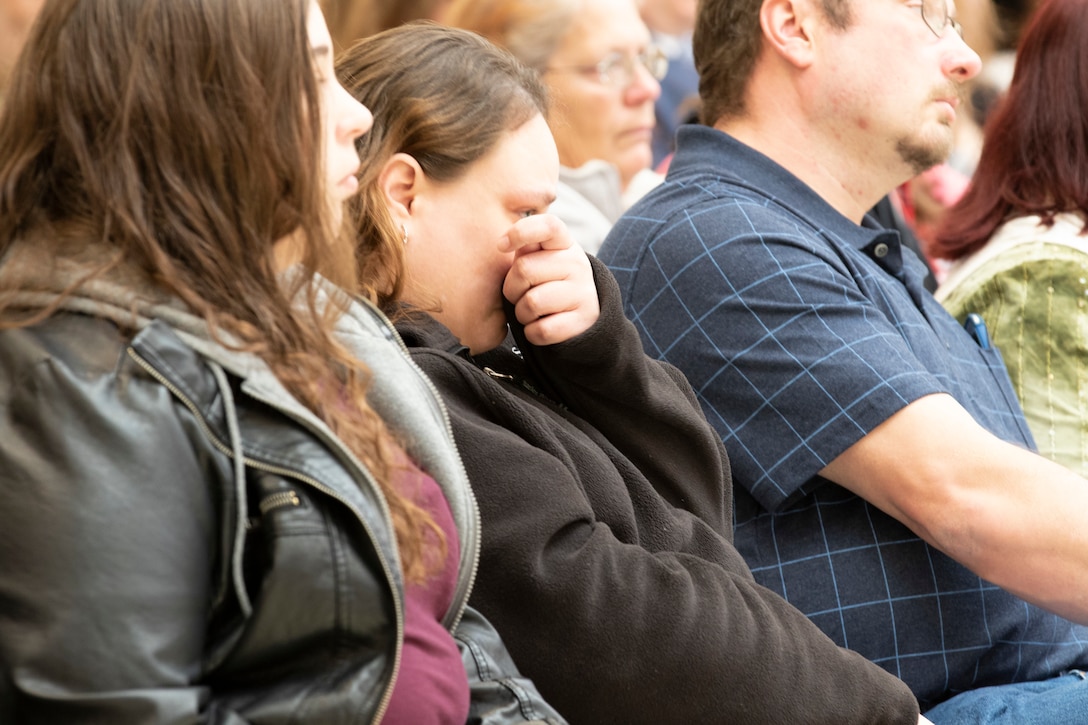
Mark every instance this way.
x=703 y=150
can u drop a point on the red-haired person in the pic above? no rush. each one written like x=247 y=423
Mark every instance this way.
x=1017 y=237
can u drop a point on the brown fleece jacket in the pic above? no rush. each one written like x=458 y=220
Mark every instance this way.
x=608 y=563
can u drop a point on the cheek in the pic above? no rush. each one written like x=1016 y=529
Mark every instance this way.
x=488 y=270
x=598 y=115
x=491 y=265
x=853 y=107
x=583 y=116
x=467 y=249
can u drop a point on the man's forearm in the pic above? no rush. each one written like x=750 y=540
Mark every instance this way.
x=1013 y=517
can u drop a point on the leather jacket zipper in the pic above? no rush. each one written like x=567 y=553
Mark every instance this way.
x=314 y=483
x=278 y=500
x=270 y=503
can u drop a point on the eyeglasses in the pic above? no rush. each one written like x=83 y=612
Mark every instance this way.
x=617 y=69
x=935 y=14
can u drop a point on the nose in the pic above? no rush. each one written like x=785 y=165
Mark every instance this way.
x=643 y=86
x=960 y=62
x=355 y=119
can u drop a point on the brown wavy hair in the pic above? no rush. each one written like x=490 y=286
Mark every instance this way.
x=186 y=138
x=441 y=95
x=1034 y=158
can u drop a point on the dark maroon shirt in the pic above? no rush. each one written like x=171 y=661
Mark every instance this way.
x=432 y=686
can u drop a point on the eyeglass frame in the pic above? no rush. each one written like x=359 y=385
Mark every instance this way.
x=652 y=59
x=948 y=19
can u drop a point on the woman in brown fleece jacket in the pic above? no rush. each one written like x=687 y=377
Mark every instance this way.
x=606 y=497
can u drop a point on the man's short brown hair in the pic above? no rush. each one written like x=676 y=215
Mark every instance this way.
x=726 y=44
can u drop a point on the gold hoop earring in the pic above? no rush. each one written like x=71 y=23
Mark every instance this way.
x=403 y=234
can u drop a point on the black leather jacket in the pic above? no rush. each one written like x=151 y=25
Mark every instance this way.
x=183 y=542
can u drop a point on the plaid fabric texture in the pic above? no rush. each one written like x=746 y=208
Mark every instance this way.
x=800 y=332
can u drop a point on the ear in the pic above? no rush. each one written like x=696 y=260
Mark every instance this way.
x=400 y=181
x=788 y=29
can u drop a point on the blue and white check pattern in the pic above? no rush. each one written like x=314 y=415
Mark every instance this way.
x=801 y=332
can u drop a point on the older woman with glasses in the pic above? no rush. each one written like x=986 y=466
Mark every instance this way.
x=601 y=71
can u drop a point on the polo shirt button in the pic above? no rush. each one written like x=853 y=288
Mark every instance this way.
x=880 y=250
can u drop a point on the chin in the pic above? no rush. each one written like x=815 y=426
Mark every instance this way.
x=482 y=342
x=923 y=154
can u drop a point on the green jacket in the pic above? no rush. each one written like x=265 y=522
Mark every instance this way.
x=1030 y=285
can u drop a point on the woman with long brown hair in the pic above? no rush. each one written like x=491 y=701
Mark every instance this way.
x=228 y=496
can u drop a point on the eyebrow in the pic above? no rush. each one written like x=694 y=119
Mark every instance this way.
x=320 y=51
x=531 y=198
x=541 y=198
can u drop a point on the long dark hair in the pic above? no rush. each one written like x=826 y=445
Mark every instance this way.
x=1034 y=157
x=185 y=139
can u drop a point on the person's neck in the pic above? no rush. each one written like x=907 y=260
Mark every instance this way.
x=850 y=182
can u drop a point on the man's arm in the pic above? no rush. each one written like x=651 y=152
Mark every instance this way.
x=1013 y=517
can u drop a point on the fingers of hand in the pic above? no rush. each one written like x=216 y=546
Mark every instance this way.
x=561 y=326
x=540 y=231
x=553 y=294
x=543 y=268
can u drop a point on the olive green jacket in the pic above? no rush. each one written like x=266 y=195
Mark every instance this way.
x=1030 y=285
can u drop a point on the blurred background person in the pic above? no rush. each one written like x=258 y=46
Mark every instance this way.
x=350 y=20
x=1017 y=237
x=602 y=72
x=671 y=23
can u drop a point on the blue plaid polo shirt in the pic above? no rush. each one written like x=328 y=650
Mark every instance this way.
x=801 y=332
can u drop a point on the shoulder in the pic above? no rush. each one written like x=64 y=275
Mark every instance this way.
x=691 y=213
x=714 y=238
x=90 y=439
x=88 y=346
x=76 y=378
x=1018 y=241
x=1022 y=277
x=75 y=362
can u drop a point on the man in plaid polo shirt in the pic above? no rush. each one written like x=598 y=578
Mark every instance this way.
x=886 y=479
